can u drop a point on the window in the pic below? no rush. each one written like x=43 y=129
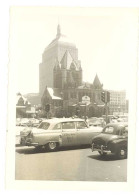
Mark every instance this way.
x=81 y=125
x=109 y=130
x=68 y=125
x=57 y=126
x=125 y=131
x=44 y=125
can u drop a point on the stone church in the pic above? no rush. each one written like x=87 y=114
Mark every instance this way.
x=61 y=84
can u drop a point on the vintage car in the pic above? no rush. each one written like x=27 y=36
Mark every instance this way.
x=53 y=133
x=98 y=122
x=113 y=139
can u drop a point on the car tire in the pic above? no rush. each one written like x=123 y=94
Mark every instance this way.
x=52 y=146
x=122 y=153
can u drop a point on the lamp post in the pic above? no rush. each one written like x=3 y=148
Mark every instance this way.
x=62 y=103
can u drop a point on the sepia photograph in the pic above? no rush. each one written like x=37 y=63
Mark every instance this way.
x=72 y=95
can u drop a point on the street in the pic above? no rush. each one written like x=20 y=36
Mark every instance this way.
x=68 y=164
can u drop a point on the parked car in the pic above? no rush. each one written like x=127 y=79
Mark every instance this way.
x=113 y=139
x=24 y=122
x=97 y=122
x=54 y=133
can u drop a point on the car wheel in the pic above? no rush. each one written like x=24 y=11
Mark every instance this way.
x=52 y=146
x=104 y=153
x=122 y=153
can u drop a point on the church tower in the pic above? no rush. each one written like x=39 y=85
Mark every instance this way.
x=67 y=73
x=53 y=54
x=97 y=88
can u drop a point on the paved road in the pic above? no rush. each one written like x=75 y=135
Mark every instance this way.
x=70 y=164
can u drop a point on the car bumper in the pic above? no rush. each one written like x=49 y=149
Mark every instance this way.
x=102 y=149
x=27 y=142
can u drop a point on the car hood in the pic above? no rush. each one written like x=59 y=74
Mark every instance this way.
x=103 y=138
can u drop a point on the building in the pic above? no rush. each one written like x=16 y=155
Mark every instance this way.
x=118 y=102
x=62 y=87
x=33 y=98
x=52 y=55
x=22 y=105
x=70 y=100
x=24 y=108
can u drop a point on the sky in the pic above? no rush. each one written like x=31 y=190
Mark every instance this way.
x=106 y=40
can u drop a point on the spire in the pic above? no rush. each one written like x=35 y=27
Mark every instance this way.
x=96 y=83
x=58 y=30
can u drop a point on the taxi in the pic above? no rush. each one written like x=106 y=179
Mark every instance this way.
x=54 y=133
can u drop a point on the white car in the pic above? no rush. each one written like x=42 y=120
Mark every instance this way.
x=54 y=133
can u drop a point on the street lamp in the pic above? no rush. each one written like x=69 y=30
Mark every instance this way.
x=62 y=102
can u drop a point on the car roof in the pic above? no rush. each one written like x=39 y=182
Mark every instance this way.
x=119 y=124
x=59 y=120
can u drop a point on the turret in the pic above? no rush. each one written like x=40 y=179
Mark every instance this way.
x=58 y=31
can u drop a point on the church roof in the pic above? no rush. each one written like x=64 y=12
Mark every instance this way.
x=61 y=39
x=51 y=93
x=96 y=82
x=20 y=96
x=85 y=86
x=67 y=61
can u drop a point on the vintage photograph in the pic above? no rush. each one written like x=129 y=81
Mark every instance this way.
x=73 y=80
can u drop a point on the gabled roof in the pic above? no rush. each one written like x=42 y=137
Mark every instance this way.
x=18 y=96
x=68 y=62
x=51 y=93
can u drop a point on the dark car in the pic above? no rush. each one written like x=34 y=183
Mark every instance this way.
x=113 y=139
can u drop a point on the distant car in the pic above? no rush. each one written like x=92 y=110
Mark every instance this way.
x=113 y=139
x=53 y=133
x=24 y=122
x=97 y=122
x=18 y=122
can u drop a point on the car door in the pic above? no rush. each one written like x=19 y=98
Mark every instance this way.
x=85 y=134
x=69 y=133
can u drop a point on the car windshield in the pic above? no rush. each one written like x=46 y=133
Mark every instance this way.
x=44 y=125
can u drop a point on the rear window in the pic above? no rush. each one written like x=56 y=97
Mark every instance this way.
x=44 y=125
x=109 y=130
x=125 y=131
